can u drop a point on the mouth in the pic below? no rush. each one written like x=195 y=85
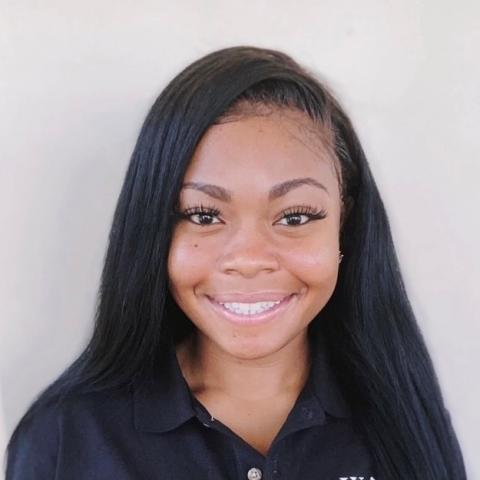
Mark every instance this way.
x=252 y=313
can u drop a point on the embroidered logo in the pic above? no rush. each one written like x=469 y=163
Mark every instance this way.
x=356 y=478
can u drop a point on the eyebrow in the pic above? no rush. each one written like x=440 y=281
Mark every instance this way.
x=278 y=190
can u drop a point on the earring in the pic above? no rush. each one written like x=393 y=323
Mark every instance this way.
x=340 y=256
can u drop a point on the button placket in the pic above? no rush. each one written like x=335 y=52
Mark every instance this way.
x=276 y=470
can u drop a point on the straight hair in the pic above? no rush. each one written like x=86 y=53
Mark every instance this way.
x=377 y=349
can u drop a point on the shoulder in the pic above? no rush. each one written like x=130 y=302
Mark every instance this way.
x=48 y=425
x=33 y=446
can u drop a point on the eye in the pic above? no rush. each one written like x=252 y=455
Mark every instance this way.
x=297 y=216
x=200 y=215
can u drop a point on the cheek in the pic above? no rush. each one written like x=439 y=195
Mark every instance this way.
x=187 y=264
x=316 y=268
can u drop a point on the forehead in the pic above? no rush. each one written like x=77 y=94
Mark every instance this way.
x=268 y=147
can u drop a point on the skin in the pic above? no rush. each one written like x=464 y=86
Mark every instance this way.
x=249 y=376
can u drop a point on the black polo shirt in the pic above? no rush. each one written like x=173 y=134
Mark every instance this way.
x=160 y=431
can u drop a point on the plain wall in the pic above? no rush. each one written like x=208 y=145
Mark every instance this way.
x=77 y=79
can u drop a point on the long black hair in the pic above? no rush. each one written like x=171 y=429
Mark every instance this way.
x=377 y=350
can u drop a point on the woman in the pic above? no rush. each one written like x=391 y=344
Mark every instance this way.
x=252 y=320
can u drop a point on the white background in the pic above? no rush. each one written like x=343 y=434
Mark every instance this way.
x=77 y=79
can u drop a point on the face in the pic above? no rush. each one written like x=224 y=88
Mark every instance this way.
x=254 y=255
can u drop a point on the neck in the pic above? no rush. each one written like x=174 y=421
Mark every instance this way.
x=209 y=369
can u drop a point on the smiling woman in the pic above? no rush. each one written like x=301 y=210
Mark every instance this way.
x=252 y=320
x=270 y=236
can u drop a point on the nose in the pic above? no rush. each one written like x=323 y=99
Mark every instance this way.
x=248 y=252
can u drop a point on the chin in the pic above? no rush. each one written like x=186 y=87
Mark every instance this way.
x=245 y=348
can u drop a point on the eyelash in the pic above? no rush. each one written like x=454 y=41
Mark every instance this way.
x=311 y=212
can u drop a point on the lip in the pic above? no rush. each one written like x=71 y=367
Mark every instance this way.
x=257 y=319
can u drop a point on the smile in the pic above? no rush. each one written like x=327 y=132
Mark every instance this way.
x=251 y=313
x=249 y=308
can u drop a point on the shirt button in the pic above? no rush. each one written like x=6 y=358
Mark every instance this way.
x=254 y=474
x=307 y=413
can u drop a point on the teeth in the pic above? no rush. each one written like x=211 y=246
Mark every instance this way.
x=249 y=308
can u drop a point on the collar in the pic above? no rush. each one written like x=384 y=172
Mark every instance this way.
x=323 y=379
x=165 y=402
